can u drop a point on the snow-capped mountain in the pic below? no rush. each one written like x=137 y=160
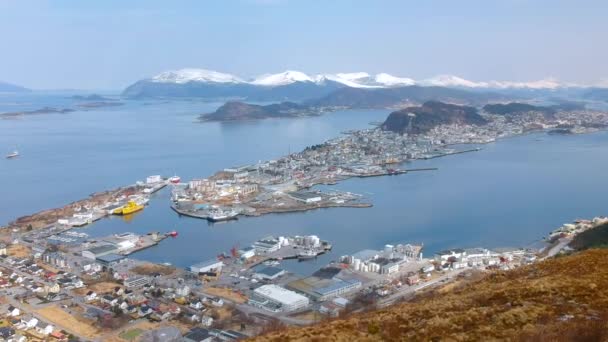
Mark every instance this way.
x=283 y=78
x=458 y=82
x=354 y=80
x=296 y=85
x=195 y=75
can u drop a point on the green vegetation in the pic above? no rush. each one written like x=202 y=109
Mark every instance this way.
x=131 y=335
x=592 y=238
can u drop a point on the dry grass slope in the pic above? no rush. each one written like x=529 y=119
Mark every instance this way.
x=562 y=299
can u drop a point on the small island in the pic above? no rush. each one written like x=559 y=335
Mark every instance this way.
x=92 y=97
x=44 y=110
x=240 y=111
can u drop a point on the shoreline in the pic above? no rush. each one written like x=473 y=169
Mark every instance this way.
x=55 y=212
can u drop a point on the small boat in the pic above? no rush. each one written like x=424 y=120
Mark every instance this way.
x=13 y=154
x=175 y=179
x=172 y=234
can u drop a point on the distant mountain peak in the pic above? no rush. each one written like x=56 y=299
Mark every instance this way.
x=283 y=78
x=12 y=88
x=195 y=75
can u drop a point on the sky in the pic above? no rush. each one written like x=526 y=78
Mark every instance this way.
x=110 y=44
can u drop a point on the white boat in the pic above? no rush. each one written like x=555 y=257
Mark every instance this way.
x=175 y=179
x=13 y=154
x=307 y=254
x=222 y=215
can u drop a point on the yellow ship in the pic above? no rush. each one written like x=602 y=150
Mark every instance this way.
x=128 y=208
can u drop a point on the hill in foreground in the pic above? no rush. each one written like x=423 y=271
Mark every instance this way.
x=561 y=299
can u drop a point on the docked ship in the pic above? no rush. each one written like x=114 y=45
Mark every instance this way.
x=222 y=215
x=13 y=154
x=128 y=208
x=307 y=254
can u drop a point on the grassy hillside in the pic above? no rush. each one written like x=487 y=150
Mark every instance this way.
x=562 y=299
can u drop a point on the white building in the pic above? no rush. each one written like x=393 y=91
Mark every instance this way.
x=207 y=266
x=153 y=179
x=444 y=256
x=267 y=245
x=274 y=296
x=246 y=253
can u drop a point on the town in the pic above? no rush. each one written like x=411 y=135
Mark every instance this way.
x=59 y=283
x=67 y=285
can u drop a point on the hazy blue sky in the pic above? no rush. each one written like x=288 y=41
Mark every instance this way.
x=109 y=44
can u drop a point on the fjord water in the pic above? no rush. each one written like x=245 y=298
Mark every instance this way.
x=511 y=193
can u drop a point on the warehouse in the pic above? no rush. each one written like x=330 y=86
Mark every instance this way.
x=95 y=252
x=277 y=299
x=267 y=245
x=305 y=197
x=212 y=265
x=269 y=273
x=326 y=283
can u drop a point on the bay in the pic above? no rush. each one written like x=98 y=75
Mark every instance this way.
x=511 y=193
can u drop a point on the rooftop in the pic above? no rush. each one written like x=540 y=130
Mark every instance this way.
x=279 y=294
x=102 y=249
x=206 y=263
x=270 y=271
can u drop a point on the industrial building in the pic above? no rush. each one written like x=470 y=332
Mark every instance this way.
x=305 y=197
x=386 y=261
x=277 y=299
x=110 y=259
x=444 y=256
x=95 y=252
x=268 y=245
x=326 y=283
x=212 y=265
x=246 y=253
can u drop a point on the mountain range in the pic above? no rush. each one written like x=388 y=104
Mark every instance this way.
x=298 y=86
x=12 y=88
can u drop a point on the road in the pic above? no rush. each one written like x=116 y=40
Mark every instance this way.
x=563 y=242
x=407 y=291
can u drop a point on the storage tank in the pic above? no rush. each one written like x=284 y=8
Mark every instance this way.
x=357 y=264
x=388 y=249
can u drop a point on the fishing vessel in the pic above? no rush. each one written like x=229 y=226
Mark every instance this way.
x=307 y=254
x=222 y=215
x=13 y=154
x=128 y=208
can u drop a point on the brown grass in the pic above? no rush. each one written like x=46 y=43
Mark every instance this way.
x=226 y=294
x=19 y=251
x=562 y=299
x=64 y=320
x=101 y=287
x=150 y=268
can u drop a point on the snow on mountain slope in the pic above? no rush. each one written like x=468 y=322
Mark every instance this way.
x=195 y=75
x=455 y=81
x=283 y=78
x=354 y=80
x=392 y=81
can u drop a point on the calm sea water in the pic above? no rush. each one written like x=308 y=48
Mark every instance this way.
x=509 y=194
